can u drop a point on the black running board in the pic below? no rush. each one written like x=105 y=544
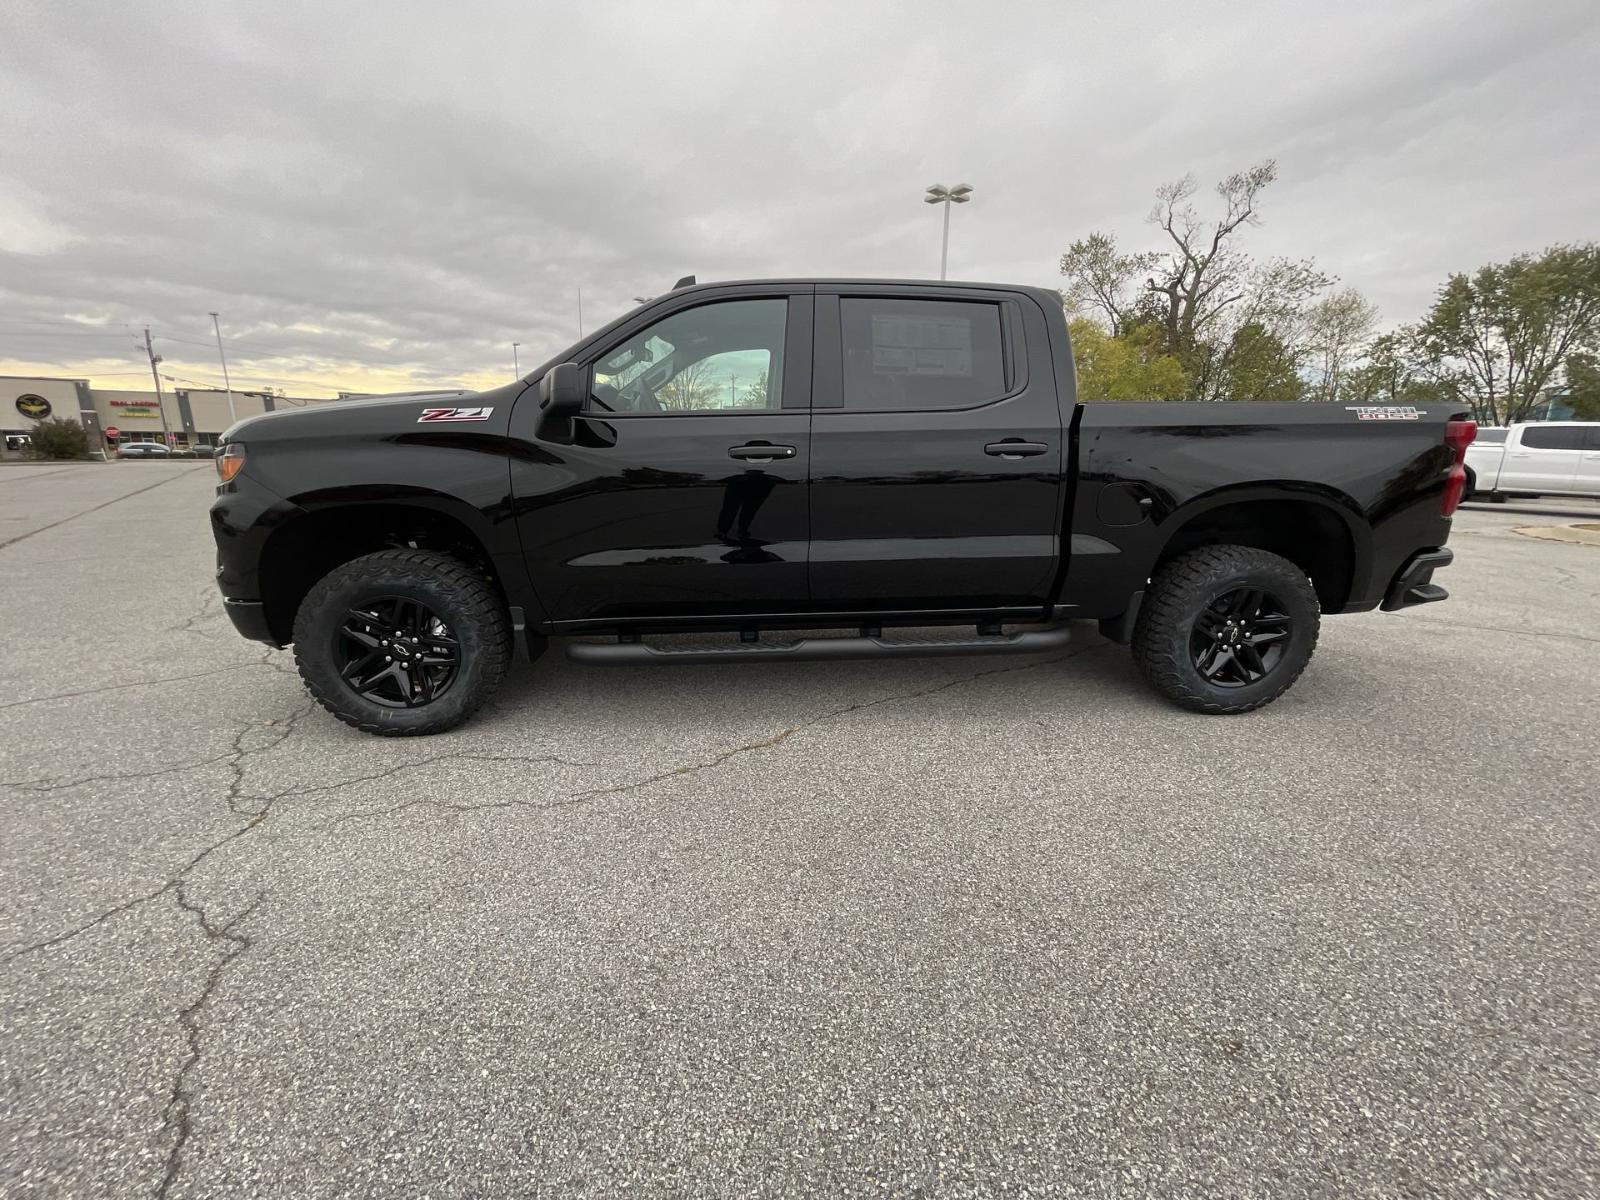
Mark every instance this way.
x=820 y=649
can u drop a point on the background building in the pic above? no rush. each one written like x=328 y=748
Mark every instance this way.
x=194 y=416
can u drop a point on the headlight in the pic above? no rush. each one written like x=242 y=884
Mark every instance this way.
x=230 y=461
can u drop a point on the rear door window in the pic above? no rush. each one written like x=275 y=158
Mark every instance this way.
x=902 y=355
x=1553 y=437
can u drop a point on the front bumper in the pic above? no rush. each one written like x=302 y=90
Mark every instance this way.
x=249 y=617
x=1413 y=583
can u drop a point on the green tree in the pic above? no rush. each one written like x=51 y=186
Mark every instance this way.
x=1392 y=374
x=1258 y=366
x=1496 y=339
x=1338 y=328
x=57 y=438
x=1126 y=367
x=1104 y=280
x=1583 y=386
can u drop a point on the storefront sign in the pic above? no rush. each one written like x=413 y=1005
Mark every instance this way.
x=137 y=410
x=34 y=407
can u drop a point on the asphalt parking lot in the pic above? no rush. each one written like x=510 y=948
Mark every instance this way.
x=952 y=927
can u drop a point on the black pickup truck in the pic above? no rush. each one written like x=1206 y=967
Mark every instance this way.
x=852 y=456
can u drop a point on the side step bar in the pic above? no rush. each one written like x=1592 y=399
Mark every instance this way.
x=820 y=649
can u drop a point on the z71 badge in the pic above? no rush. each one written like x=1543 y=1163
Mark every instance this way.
x=1384 y=412
x=454 y=414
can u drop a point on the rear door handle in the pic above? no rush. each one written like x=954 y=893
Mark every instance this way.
x=1015 y=448
x=760 y=452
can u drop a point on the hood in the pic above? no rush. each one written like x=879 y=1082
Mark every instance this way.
x=411 y=412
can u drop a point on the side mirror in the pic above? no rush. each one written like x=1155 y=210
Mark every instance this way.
x=561 y=391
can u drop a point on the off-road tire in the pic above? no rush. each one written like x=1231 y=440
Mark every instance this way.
x=1178 y=593
x=448 y=587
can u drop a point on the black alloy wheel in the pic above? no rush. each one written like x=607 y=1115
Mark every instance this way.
x=403 y=642
x=397 y=652
x=1226 y=629
x=1240 y=637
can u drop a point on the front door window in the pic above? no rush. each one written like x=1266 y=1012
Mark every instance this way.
x=724 y=357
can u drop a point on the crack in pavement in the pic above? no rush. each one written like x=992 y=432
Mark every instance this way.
x=256 y=816
x=1425 y=622
x=263 y=661
x=235 y=793
x=180 y=1103
x=179 y=1109
x=21 y=537
x=448 y=756
x=35 y=473
x=58 y=783
x=783 y=735
x=208 y=608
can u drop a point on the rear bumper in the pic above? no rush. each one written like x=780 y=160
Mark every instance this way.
x=249 y=617
x=1413 y=583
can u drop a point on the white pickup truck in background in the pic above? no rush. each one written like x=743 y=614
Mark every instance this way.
x=1545 y=458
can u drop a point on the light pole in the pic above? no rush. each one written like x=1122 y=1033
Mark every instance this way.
x=516 y=367
x=939 y=194
x=233 y=417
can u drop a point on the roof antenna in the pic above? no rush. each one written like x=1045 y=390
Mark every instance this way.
x=686 y=281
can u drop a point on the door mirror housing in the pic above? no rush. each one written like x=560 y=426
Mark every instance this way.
x=561 y=391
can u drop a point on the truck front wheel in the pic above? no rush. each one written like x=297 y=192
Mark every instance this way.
x=1226 y=629
x=402 y=642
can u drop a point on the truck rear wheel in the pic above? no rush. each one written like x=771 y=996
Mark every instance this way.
x=402 y=643
x=1226 y=629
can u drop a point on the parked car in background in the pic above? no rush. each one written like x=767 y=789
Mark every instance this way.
x=1544 y=458
x=143 y=450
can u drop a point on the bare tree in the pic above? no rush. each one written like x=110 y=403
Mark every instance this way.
x=1204 y=273
x=1203 y=289
x=690 y=389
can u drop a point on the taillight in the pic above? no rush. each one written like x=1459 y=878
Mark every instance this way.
x=1458 y=436
x=230 y=462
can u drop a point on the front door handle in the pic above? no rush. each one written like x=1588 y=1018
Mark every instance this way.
x=1015 y=448
x=761 y=452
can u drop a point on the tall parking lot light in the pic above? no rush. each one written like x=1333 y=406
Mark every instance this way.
x=939 y=194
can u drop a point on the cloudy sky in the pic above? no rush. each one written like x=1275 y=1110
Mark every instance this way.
x=388 y=195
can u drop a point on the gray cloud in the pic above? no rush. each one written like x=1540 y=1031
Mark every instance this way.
x=409 y=188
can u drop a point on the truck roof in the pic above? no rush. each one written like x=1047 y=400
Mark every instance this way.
x=859 y=281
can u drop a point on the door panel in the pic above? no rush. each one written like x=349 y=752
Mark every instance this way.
x=1544 y=459
x=1588 y=477
x=916 y=501
x=661 y=499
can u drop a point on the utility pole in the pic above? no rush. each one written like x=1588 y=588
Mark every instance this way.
x=516 y=367
x=580 y=312
x=217 y=325
x=161 y=404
